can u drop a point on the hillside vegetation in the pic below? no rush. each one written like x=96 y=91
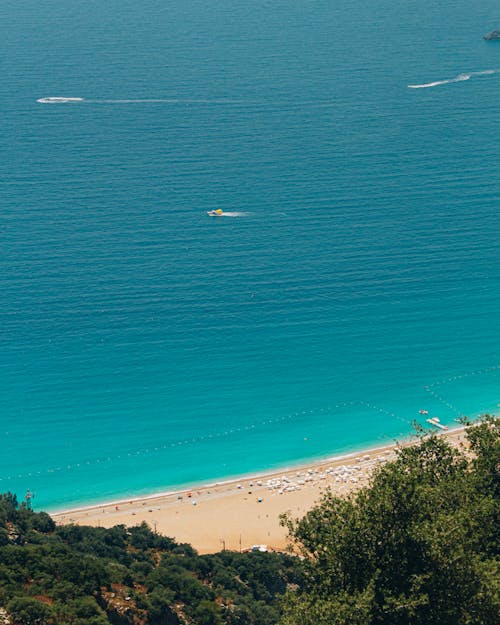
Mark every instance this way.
x=72 y=575
x=419 y=545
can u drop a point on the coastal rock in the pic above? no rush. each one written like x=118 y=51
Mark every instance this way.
x=493 y=36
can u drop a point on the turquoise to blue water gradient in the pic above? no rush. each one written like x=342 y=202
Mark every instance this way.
x=144 y=345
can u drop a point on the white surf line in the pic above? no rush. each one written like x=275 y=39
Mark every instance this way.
x=178 y=443
x=459 y=78
x=181 y=489
x=293 y=417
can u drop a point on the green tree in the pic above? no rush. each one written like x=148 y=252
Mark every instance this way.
x=207 y=613
x=159 y=608
x=418 y=546
x=86 y=610
x=27 y=611
x=42 y=522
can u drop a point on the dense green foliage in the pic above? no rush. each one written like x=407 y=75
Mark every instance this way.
x=419 y=546
x=72 y=575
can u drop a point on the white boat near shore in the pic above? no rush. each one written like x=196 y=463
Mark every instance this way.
x=436 y=423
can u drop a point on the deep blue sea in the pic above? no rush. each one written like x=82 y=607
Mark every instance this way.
x=145 y=345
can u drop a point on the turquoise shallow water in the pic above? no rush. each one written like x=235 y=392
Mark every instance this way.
x=145 y=345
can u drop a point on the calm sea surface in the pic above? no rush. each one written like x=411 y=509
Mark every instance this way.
x=144 y=345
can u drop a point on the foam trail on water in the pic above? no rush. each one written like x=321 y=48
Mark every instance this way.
x=165 y=101
x=233 y=214
x=459 y=78
x=65 y=100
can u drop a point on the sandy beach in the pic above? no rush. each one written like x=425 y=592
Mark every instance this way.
x=244 y=512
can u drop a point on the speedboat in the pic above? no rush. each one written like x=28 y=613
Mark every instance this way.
x=54 y=100
x=215 y=213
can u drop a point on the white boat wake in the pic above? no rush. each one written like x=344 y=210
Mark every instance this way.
x=233 y=214
x=65 y=100
x=165 y=101
x=459 y=78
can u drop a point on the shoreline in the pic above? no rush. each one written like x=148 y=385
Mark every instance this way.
x=202 y=484
x=195 y=486
x=244 y=510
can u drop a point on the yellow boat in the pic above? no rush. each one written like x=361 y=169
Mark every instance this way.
x=215 y=213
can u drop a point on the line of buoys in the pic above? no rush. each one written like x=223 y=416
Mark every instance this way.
x=429 y=388
x=267 y=422
x=443 y=401
x=388 y=413
x=165 y=446
x=464 y=375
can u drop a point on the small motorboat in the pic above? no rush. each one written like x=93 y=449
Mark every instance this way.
x=54 y=100
x=215 y=213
